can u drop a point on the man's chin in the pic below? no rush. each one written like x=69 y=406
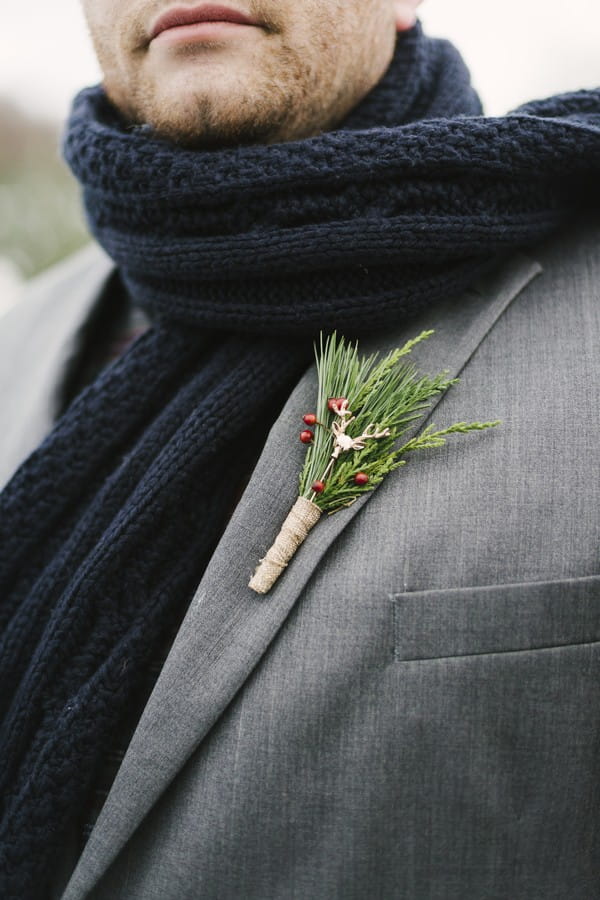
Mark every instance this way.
x=203 y=121
x=201 y=132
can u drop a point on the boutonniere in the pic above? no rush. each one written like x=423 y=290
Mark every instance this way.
x=365 y=405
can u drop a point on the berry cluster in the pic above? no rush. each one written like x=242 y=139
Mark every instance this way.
x=336 y=405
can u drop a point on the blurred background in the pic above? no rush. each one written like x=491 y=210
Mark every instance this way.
x=517 y=50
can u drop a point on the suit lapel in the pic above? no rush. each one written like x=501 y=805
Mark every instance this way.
x=228 y=628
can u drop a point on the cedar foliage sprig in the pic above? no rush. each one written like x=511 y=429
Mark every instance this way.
x=390 y=394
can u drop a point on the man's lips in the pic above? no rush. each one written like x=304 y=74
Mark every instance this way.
x=182 y=15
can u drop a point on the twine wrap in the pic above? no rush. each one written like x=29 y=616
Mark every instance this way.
x=300 y=519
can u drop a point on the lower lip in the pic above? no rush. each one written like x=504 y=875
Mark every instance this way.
x=201 y=31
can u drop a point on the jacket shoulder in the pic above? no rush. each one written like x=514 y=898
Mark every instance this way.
x=57 y=297
x=87 y=266
x=37 y=338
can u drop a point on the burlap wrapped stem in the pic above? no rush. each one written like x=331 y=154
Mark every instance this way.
x=301 y=518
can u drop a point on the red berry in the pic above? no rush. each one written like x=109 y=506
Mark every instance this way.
x=361 y=478
x=318 y=487
x=306 y=436
x=309 y=419
x=336 y=401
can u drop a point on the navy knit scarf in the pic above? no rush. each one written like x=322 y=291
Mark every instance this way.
x=240 y=256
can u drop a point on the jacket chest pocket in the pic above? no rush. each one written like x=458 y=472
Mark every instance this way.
x=496 y=619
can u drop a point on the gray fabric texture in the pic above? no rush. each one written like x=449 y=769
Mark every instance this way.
x=413 y=711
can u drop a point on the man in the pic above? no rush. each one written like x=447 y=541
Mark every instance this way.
x=412 y=710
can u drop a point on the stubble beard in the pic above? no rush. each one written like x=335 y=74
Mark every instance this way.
x=285 y=102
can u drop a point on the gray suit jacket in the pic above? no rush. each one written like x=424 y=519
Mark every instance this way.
x=413 y=711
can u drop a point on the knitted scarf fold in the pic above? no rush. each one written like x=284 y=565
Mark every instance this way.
x=240 y=256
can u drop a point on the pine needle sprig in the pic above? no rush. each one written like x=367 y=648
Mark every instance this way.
x=384 y=372
x=339 y=369
x=385 y=394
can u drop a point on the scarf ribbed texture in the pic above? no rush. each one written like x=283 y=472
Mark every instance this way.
x=239 y=256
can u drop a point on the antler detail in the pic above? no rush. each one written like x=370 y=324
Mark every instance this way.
x=344 y=442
